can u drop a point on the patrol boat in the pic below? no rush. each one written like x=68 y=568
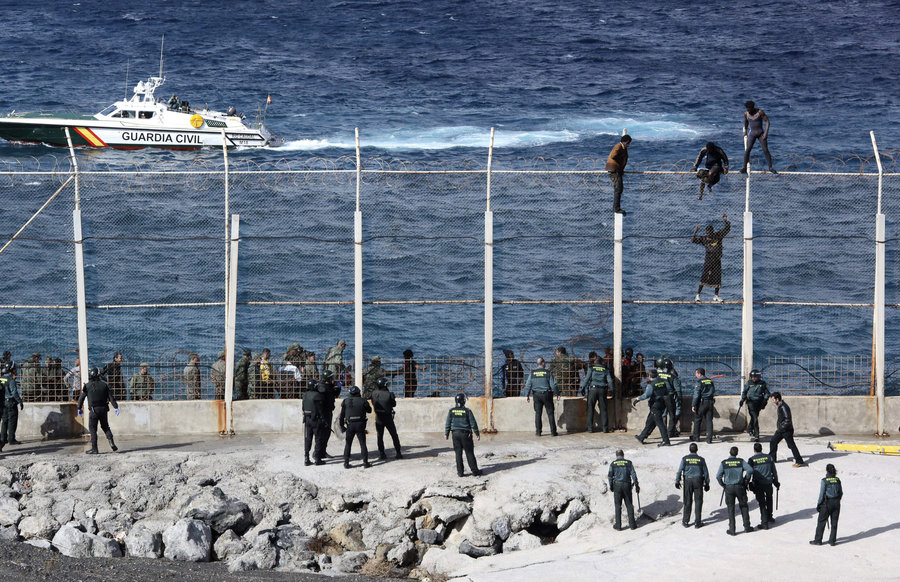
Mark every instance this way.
x=140 y=122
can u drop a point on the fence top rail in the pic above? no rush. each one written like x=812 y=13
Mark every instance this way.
x=598 y=171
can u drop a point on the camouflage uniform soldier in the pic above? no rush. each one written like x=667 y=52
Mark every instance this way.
x=242 y=377
x=334 y=359
x=192 y=378
x=31 y=378
x=218 y=376
x=142 y=385
x=562 y=366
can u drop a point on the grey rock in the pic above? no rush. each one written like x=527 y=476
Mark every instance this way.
x=262 y=555
x=452 y=491
x=210 y=505
x=47 y=476
x=291 y=560
x=40 y=543
x=291 y=536
x=143 y=543
x=9 y=511
x=8 y=534
x=189 y=540
x=428 y=536
x=38 y=527
x=500 y=527
x=348 y=535
x=351 y=562
x=230 y=545
x=447 y=509
x=575 y=511
x=403 y=554
x=72 y=542
x=102 y=547
x=6 y=476
x=521 y=541
x=468 y=549
x=63 y=509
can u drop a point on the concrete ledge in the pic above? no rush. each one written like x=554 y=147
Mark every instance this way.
x=813 y=415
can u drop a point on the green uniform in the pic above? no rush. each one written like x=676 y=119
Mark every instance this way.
x=217 y=374
x=764 y=476
x=829 y=505
x=32 y=380
x=542 y=385
x=563 y=369
x=673 y=401
x=192 y=381
x=598 y=386
x=756 y=395
x=461 y=422
x=702 y=402
x=142 y=387
x=733 y=475
x=12 y=402
x=655 y=392
x=334 y=360
x=621 y=478
x=696 y=480
x=370 y=376
x=242 y=378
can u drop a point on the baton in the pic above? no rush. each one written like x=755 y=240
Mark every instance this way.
x=777 y=490
x=638 y=493
x=722 y=498
x=738 y=411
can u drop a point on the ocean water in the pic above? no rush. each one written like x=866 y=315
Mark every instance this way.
x=424 y=82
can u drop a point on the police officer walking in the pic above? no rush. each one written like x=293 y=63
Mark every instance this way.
x=756 y=395
x=461 y=422
x=598 y=382
x=331 y=392
x=99 y=398
x=696 y=481
x=621 y=479
x=829 y=505
x=764 y=477
x=383 y=402
x=674 y=396
x=702 y=404
x=313 y=419
x=734 y=474
x=9 y=391
x=655 y=392
x=353 y=421
x=784 y=430
x=542 y=384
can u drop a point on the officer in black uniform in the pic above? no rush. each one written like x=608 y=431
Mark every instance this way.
x=99 y=398
x=621 y=478
x=696 y=481
x=756 y=395
x=829 y=505
x=674 y=396
x=353 y=421
x=655 y=392
x=764 y=477
x=598 y=387
x=702 y=404
x=10 y=402
x=383 y=402
x=542 y=384
x=313 y=419
x=331 y=392
x=461 y=422
x=734 y=474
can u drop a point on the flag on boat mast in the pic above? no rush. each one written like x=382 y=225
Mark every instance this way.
x=268 y=99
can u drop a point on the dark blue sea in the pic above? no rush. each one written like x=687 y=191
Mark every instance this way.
x=424 y=82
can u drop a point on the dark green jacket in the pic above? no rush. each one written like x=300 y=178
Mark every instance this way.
x=622 y=471
x=764 y=470
x=460 y=418
x=704 y=389
x=597 y=375
x=540 y=380
x=692 y=466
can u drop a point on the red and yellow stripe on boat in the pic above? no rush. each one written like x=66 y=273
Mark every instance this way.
x=90 y=137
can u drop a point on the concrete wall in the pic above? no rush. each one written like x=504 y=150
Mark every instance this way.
x=813 y=415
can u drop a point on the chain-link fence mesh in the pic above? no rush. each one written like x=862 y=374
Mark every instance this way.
x=155 y=252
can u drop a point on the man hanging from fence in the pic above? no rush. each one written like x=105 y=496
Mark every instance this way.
x=716 y=165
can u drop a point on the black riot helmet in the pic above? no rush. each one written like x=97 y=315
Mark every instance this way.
x=94 y=374
x=383 y=383
x=460 y=399
x=669 y=365
x=328 y=376
x=5 y=368
x=660 y=363
x=755 y=374
x=312 y=385
x=355 y=391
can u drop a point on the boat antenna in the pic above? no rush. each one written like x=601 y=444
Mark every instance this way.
x=161 y=45
x=127 y=64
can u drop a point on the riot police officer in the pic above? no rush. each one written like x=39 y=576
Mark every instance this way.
x=621 y=478
x=383 y=402
x=673 y=396
x=313 y=419
x=756 y=395
x=655 y=392
x=702 y=404
x=764 y=477
x=99 y=398
x=10 y=399
x=696 y=481
x=461 y=422
x=353 y=421
x=542 y=384
x=331 y=392
x=734 y=474
x=598 y=382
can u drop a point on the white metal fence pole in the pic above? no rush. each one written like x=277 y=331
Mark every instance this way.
x=80 y=297
x=747 y=304
x=617 y=296
x=489 y=295
x=357 y=275
x=879 y=309
x=230 y=320
x=227 y=213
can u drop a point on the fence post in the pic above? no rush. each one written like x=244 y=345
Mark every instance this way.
x=879 y=307
x=489 y=296
x=747 y=302
x=227 y=211
x=617 y=295
x=81 y=301
x=230 y=325
x=357 y=276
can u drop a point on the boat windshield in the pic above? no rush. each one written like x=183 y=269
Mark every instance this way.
x=108 y=110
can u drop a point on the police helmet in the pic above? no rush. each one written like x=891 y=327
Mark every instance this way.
x=355 y=391
x=5 y=369
x=312 y=385
x=754 y=373
x=669 y=365
x=383 y=383
x=460 y=399
x=660 y=363
x=328 y=376
x=94 y=374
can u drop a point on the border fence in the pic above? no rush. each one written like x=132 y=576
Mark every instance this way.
x=240 y=255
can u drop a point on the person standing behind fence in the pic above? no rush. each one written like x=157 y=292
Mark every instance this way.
x=712 y=264
x=615 y=165
x=758 y=123
x=265 y=376
x=784 y=430
x=142 y=384
x=702 y=404
x=461 y=422
x=99 y=398
x=31 y=378
x=56 y=380
x=217 y=374
x=564 y=370
x=622 y=477
x=192 y=380
x=756 y=395
x=112 y=374
x=242 y=377
x=11 y=400
x=543 y=385
x=410 y=379
x=598 y=387
x=696 y=481
x=828 y=506
x=512 y=375
x=372 y=373
x=384 y=402
x=716 y=165
x=334 y=359
x=353 y=421
x=72 y=380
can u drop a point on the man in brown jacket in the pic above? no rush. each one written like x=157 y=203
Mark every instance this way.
x=615 y=165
